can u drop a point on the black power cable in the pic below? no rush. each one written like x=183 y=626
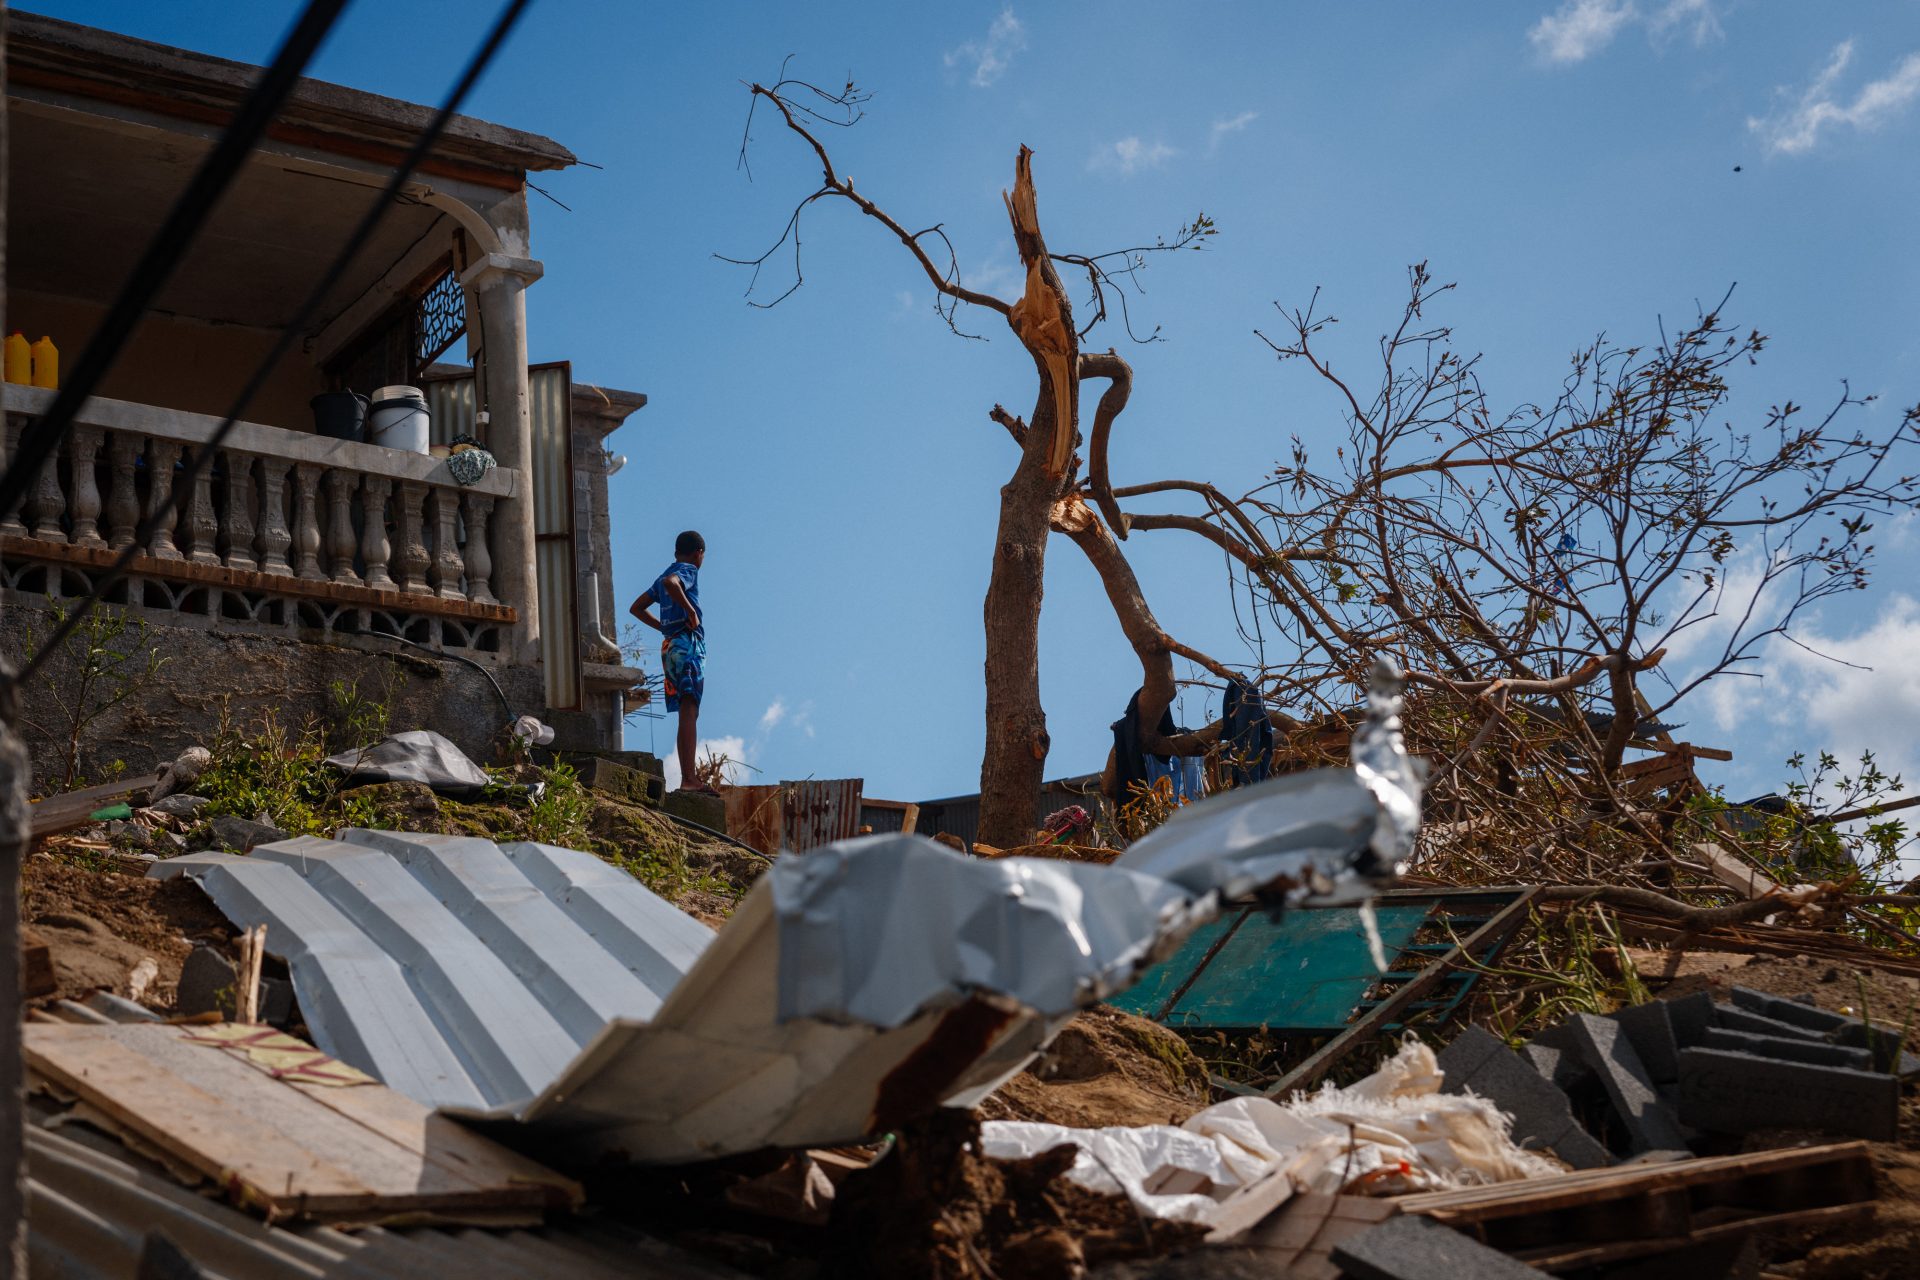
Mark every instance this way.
x=184 y=221
x=202 y=456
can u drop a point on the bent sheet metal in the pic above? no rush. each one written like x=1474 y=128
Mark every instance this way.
x=854 y=988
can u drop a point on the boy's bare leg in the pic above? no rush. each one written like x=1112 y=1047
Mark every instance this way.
x=689 y=738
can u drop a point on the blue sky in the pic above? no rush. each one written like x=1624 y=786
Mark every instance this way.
x=1572 y=166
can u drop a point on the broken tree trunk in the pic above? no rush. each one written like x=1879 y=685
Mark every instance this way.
x=1014 y=762
x=1152 y=645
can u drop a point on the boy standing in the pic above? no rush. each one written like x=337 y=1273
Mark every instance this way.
x=683 y=643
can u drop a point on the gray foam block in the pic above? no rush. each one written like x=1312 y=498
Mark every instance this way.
x=1605 y=1047
x=1477 y=1061
x=1409 y=1247
x=1738 y=1093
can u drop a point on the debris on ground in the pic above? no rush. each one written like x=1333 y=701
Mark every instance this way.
x=1105 y=1068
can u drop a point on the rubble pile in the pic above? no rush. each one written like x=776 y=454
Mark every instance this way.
x=887 y=1057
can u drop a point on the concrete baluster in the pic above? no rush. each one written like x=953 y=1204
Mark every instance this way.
x=202 y=526
x=447 y=568
x=123 y=498
x=375 y=548
x=479 y=555
x=306 y=523
x=237 y=527
x=274 y=537
x=83 y=451
x=10 y=521
x=341 y=544
x=413 y=549
x=46 y=504
x=161 y=458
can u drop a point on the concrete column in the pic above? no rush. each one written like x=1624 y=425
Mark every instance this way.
x=499 y=282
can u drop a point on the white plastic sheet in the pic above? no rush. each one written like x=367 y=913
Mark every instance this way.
x=1392 y=1132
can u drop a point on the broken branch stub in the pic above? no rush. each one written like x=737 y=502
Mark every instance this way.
x=1043 y=319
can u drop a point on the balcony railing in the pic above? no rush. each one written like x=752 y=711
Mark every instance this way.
x=285 y=529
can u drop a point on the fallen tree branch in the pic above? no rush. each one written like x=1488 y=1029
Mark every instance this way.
x=1686 y=913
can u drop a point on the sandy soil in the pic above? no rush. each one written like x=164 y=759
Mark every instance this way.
x=99 y=925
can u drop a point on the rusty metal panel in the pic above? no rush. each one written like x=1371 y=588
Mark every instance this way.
x=550 y=410
x=754 y=816
x=815 y=813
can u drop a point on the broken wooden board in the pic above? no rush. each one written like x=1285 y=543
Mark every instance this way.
x=1736 y=873
x=65 y=812
x=358 y=1153
x=1603 y=1216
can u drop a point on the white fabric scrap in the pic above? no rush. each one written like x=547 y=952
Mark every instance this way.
x=1390 y=1133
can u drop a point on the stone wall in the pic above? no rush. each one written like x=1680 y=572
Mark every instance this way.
x=244 y=676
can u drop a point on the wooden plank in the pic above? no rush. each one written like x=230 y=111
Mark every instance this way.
x=72 y=809
x=441 y=1141
x=1383 y=1014
x=1736 y=873
x=276 y=1147
x=1475 y=1204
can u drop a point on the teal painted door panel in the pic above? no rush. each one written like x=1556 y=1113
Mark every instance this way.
x=1301 y=971
x=1157 y=985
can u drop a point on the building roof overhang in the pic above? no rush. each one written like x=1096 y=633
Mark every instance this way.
x=50 y=55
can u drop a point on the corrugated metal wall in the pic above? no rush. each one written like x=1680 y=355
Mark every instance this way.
x=813 y=813
x=550 y=408
x=450 y=405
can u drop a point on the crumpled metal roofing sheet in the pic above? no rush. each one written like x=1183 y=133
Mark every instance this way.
x=460 y=972
x=854 y=988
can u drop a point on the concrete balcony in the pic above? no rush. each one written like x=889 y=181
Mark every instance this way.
x=286 y=530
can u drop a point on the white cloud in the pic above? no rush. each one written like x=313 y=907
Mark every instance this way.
x=991 y=56
x=1696 y=17
x=734 y=748
x=1232 y=124
x=1578 y=29
x=1130 y=155
x=776 y=712
x=1797 y=126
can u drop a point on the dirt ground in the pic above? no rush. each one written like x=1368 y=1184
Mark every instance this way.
x=100 y=924
x=1106 y=1068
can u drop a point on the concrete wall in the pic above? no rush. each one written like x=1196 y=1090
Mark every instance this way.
x=247 y=675
x=191 y=365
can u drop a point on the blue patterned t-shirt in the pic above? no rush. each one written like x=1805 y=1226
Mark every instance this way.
x=673 y=619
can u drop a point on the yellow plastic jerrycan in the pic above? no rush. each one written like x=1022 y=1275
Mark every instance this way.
x=46 y=363
x=19 y=359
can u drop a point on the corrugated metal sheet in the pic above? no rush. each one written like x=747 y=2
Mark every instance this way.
x=91 y=1207
x=450 y=402
x=550 y=410
x=754 y=816
x=456 y=971
x=853 y=989
x=795 y=816
x=815 y=813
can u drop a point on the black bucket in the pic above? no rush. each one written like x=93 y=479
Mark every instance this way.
x=340 y=415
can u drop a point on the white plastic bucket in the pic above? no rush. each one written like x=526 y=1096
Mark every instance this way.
x=398 y=419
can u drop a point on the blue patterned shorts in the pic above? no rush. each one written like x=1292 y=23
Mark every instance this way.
x=683 y=660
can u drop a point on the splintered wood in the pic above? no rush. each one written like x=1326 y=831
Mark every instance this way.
x=283 y=1148
x=1039 y=318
